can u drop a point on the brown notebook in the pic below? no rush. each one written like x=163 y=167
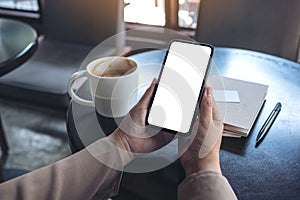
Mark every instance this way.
x=239 y=117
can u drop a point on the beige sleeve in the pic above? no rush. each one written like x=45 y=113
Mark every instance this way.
x=205 y=185
x=76 y=177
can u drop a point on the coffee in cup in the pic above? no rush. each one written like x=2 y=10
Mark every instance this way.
x=113 y=85
x=114 y=67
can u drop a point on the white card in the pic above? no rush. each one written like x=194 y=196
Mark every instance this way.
x=230 y=96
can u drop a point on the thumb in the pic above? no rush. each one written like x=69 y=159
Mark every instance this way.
x=146 y=98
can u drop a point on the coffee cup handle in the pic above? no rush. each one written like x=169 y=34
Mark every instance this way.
x=73 y=95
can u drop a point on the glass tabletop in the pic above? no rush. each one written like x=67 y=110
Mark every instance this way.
x=18 y=42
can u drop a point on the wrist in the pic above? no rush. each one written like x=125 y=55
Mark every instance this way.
x=118 y=137
x=195 y=165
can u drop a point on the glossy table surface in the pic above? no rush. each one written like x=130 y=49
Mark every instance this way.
x=271 y=171
x=18 y=41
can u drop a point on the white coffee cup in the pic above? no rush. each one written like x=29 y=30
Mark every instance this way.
x=113 y=91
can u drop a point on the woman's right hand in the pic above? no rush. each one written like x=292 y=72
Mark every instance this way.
x=202 y=154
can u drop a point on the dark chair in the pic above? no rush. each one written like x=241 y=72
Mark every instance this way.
x=6 y=174
x=270 y=26
x=71 y=30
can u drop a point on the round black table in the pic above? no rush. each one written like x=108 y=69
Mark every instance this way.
x=18 y=41
x=271 y=171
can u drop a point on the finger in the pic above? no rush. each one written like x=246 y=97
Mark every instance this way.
x=206 y=108
x=168 y=136
x=145 y=100
x=216 y=114
x=162 y=139
x=208 y=91
x=217 y=119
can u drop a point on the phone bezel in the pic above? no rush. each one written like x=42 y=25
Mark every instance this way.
x=200 y=93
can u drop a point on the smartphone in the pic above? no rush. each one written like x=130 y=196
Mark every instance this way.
x=180 y=86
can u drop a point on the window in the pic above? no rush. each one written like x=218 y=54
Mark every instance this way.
x=150 y=12
x=162 y=12
x=22 y=8
x=188 y=13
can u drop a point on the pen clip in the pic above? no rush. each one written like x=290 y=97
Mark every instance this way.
x=278 y=106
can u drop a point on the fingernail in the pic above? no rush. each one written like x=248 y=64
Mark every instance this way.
x=209 y=91
x=154 y=80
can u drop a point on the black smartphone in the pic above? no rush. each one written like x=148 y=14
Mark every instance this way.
x=180 y=86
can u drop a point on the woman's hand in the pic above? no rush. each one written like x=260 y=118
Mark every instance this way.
x=202 y=153
x=133 y=135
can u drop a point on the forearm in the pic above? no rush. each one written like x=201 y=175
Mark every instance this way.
x=204 y=179
x=76 y=177
x=205 y=185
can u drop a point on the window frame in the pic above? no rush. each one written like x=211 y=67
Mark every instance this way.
x=22 y=14
x=171 y=10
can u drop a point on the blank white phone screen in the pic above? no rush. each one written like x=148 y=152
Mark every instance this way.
x=179 y=86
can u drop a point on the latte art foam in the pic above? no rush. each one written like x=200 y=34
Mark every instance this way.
x=114 y=67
